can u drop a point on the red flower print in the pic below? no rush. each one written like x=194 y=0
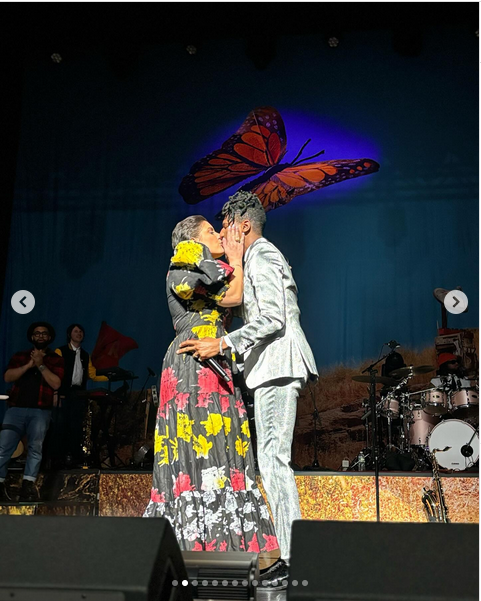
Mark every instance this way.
x=181 y=400
x=157 y=497
x=237 y=479
x=239 y=405
x=254 y=545
x=211 y=546
x=198 y=546
x=271 y=542
x=226 y=267
x=208 y=380
x=182 y=484
x=224 y=403
x=204 y=399
x=168 y=385
x=223 y=546
x=200 y=290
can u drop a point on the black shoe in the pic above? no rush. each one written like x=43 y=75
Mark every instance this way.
x=276 y=578
x=272 y=566
x=28 y=492
x=4 y=496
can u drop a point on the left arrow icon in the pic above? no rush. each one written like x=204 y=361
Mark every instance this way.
x=22 y=303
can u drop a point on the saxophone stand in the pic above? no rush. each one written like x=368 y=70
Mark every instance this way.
x=150 y=374
x=375 y=440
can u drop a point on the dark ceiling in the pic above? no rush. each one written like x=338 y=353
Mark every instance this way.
x=80 y=26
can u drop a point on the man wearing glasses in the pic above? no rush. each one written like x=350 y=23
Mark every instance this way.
x=36 y=374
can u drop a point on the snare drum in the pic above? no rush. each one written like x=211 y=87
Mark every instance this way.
x=420 y=427
x=457 y=436
x=465 y=402
x=435 y=401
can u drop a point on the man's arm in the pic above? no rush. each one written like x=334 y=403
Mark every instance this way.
x=48 y=375
x=15 y=373
x=267 y=280
x=93 y=373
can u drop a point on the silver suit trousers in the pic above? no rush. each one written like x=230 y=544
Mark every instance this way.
x=275 y=406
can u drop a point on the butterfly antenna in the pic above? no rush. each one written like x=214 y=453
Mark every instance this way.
x=300 y=151
x=265 y=150
x=311 y=157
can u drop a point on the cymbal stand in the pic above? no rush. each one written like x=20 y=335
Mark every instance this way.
x=375 y=440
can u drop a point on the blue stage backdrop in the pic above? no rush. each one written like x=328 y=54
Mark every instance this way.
x=102 y=155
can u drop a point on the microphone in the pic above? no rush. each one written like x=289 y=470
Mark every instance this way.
x=217 y=368
x=152 y=374
x=392 y=344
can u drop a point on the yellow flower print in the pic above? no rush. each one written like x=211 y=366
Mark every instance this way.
x=183 y=290
x=211 y=317
x=241 y=447
x=213 y=424
x=202 y=446
x=245 y=429
x=205 y=331
x=174 y=447
x=227 y=422
x=184 y=427
x=161 y=448
x=187 y=252
x=198 y=305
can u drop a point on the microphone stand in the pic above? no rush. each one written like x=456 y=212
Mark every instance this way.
x=134 y=413
x=375 y=439
x=315 y=417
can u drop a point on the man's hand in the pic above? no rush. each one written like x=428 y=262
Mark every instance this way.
x=37 y=357
x=201 y=349
x=29 y=365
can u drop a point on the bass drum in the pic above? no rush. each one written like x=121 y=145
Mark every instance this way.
x=462 y=441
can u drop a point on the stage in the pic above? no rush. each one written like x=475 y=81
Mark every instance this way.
x=347 y=496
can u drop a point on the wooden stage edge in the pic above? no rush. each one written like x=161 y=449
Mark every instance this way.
x=347 y=496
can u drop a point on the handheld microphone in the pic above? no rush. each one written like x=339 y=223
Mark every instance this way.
x=219 y=370
x=392 y=344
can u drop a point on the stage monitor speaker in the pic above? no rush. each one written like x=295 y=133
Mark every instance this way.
x=369 y=561
x=90 y=559
x=228 y=575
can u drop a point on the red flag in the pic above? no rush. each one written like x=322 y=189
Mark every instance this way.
x=110 y=347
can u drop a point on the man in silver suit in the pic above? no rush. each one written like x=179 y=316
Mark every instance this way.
x=277 y=359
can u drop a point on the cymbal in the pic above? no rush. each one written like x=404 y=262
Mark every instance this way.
x=378 y=380
x=412 y=371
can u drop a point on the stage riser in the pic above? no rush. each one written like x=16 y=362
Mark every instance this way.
x=322 y=497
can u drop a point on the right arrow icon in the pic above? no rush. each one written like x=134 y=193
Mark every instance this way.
x=457 y=301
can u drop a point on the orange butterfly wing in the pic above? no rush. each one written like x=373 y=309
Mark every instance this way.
x=293 y=181
x=259 y=143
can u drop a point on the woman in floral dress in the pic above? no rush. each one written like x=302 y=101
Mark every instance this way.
x=204 y=479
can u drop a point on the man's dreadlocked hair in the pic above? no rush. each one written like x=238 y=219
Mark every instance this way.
x=245 y=205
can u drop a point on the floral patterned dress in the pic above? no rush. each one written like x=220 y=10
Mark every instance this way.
x=204 y=480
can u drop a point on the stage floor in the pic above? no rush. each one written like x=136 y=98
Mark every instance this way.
x=322 y=495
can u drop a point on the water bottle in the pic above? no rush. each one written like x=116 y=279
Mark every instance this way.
x=361 y=460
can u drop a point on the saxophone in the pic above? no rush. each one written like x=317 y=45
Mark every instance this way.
x=87 y=435
x=433 y=500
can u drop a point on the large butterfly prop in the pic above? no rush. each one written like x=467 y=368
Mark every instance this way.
x=258 y=145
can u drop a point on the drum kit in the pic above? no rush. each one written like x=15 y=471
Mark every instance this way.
x=415 y=420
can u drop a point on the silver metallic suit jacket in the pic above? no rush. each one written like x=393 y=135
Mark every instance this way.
x=272 y=344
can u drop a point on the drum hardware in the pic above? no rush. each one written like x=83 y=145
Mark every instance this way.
x=411 y=371
x=377 y=379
